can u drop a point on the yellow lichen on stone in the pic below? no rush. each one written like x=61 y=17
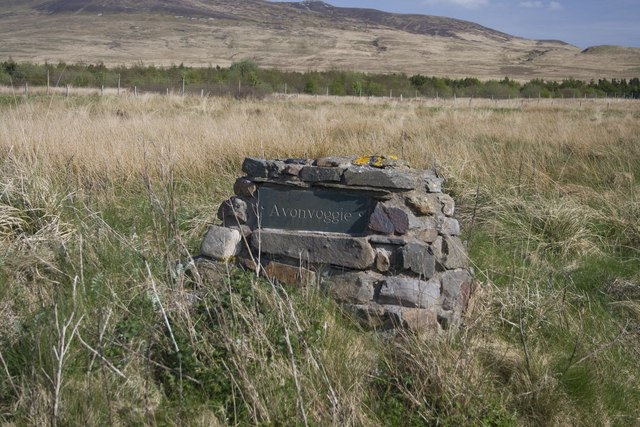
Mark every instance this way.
x=378 y=161
x=361 y=161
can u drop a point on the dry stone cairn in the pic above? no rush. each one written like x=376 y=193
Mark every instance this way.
x=375 y=234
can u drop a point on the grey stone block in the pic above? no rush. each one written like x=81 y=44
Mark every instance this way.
x=418 y=258
x=244 y=187
x=387 y=240
x=376 y=193
x=353 y=287
x=421 y=222
x=428 y=235
x=244 y=230
x=318 y=174
x=383 y=259
x=421 y=321
x=431 y=204
x=350 y=252
x=448 y=204
x=456 y=254
x=409 y=292
x=384 y=178
x=255 y=167
x=448 y=226
x=233 y=211
x=293 y=169
x=399 y=219
x=438 y=249
x=286 y=181
x=388 y=220
x=456 y=287
x=450 y=253
x=432 y=183
x=379 y=221
x=221 y=243
x=424 y=204
x=275 y=168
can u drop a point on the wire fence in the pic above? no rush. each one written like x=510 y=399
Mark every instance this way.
x=245 y=79
x=58 y=83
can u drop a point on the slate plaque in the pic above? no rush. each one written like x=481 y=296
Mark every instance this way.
x=314 y=210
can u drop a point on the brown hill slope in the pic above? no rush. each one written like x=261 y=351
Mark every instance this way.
x=295 y=36
x=417 y=24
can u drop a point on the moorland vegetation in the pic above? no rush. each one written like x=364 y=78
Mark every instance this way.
x=104 y=199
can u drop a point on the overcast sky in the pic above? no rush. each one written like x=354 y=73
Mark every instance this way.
x=582 y=23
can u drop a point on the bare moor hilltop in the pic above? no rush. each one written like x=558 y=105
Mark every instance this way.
x=292 y=36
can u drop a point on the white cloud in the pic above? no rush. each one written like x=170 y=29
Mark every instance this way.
x=555 y=5
x=469 y=4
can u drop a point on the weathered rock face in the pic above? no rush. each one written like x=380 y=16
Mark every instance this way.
x=418 y=257
x=221 y=243
x=409 y=292
x=349 y=252
x=374 y=234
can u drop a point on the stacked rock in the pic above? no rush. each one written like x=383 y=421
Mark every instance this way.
x=375 y=234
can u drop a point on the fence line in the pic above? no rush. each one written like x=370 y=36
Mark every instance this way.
x=225 y=91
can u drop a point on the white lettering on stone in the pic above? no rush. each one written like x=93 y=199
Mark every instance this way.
x=326 y=216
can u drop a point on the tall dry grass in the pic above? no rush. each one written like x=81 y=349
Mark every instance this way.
x=583 y=150
x=101 y=195
x=108 y=137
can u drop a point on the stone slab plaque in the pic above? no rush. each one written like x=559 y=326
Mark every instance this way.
x=314 y=210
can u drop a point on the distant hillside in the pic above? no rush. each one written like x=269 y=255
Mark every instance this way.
x=416 y=24
x=291 y=36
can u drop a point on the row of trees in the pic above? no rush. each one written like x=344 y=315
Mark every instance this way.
x=246 y=78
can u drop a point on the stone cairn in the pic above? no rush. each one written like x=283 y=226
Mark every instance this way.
x=375 y=234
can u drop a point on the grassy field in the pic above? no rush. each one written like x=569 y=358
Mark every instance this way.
x=100 y=197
